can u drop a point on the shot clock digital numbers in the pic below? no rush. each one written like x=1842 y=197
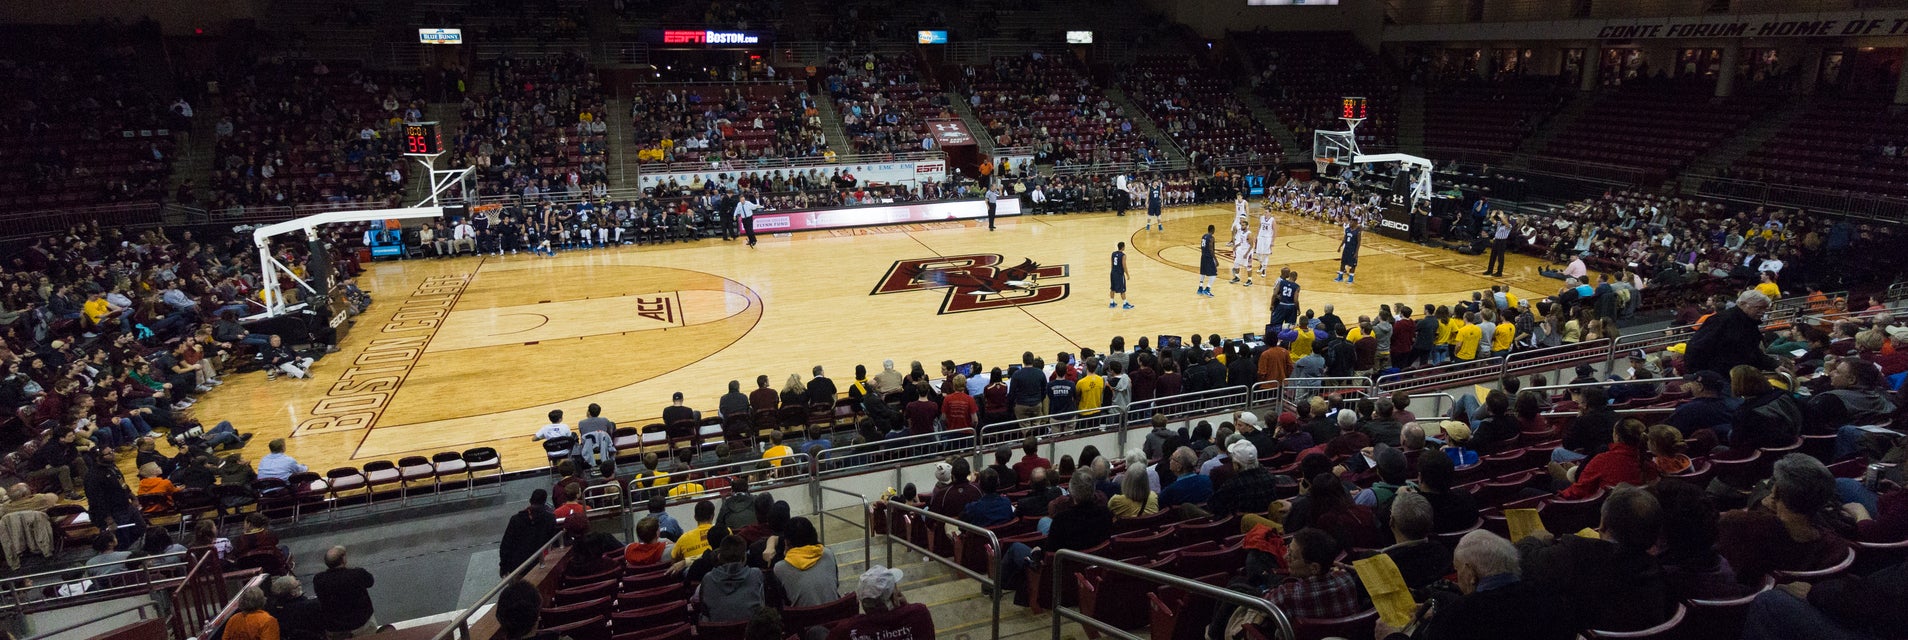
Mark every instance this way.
x=1352 y=108
x=422 y=139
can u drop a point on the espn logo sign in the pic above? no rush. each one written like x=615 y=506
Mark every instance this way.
x=684 y=36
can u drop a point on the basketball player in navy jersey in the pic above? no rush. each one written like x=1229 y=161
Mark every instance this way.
x=1348 y=252
x=1208 y=263
x=1119 y=279
x=1153 y=201
x=1285 y=299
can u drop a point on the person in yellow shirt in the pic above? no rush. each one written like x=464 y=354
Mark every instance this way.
x=1446 y=329
x=1767 y=287
x=1356 y=333
x=1302 y=344
x=95 y=309
x=693 y=542
x=1506 y=335
x=776 y=449
x=1090 y=390
x=1467 y=336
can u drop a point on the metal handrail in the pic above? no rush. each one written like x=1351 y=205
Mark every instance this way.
x=20 y=588
x=459 y=627
x=211 y=628
x=915 y=447
x=817 y=162
x=1601 y=383
x=141 y=607
x=822 y=516
x=1060 y=557
x=991 y=580
x=1621 y=412
x=744 y=468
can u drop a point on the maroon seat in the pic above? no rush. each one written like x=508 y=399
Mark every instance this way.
x=576 y=611
x=796 y=619
x=1570 y=516
x=584 y=592
x=1671 y=628
x=1220 y=559
x=1039 y=587
x=596 y=628
x=611 y=574
x=646 y=580
x=721 y=630
x=673 y=591
x=1213 y=529
x=1147 y=523
x=1834 y=570
x=1357 y=626
x=1450 y=538
x=657 y=615
x=1870 y=556
x=416 y=473
x=1178 y=615
x=1720 y=619
x=1114 y=598
x=1699 y=473
x=683 y=631
x=1139 y=544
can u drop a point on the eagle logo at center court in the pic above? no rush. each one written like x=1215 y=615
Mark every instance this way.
x=976 y=282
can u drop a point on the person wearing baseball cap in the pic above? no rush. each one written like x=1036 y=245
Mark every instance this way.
x=1708 y=406
x=885 y=612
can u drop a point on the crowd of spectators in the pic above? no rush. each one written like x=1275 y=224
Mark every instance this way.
x=885 y=101
x=1196 y=107
x=742 y=123
x=300 y=131
x=83 y=124
x=107 y=340
x=543 y=130
x=1050 y=104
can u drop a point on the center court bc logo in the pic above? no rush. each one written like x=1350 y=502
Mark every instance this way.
x=976 y=282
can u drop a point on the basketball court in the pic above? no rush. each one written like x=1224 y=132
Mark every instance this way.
x=468 y=351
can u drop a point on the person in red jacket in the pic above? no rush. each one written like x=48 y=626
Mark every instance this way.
x=957 y=408
x=1623 y=463
x=1404 y=334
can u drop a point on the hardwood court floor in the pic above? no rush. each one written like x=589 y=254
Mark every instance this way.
x=470 y=351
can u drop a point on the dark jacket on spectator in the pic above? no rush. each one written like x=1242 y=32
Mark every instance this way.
x=1727 y=339
x=1609 y=586
x=1249 y=491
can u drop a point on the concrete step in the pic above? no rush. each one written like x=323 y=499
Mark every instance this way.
x=1288 y=139
x=831 y=125
x=1564 y=118
x=982 y=136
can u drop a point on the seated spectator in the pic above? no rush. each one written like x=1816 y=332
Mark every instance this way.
x=649 y=547
x=299 y=617
x=884 y=611
x=1706 y=408
x=21 y=497
x=1084 y=524
x=1622 y=463
x=1136 y=497
x=107 y=557
x=1188 y=486
x=152 y=483
x=1316 y=586
x=1251 y=489
x=1030 y=458
x=732 y=590
x=1589 y=434
x=1844 y=607
x=1791 y=529
x=991 y=508
x=1857 y=398
x=1420 y=560
x=1611 y=580
x=952 y=499
x=1691 y=566
x=1039 y=494
x=694 y=542
x=1451 y=509
x=1767 y=417
x=807 y=571
x=1495 y=599
x=252 y=621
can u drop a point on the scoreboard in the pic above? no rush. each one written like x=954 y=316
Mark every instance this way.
x=1352 y=108
x=422 y=139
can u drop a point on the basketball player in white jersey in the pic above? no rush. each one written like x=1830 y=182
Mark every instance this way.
x=1262 y=245
x=1239 y=213
x=1241 y=252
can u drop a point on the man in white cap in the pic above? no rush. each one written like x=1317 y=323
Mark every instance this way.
x=886 y=614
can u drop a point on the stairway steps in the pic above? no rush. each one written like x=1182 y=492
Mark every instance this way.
x=1117 y=96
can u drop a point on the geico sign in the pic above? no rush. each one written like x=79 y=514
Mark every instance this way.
x=676 y=36
x=1394 y=224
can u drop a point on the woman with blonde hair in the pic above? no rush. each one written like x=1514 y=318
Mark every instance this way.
x=794 y=393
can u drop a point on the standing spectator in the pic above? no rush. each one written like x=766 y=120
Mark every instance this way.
x=110 y=502
x=525 y=534
x=1731 y=337
x=344 y=593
